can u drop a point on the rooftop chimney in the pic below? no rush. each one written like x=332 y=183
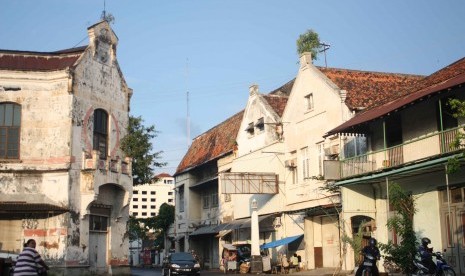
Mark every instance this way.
x=305 y=58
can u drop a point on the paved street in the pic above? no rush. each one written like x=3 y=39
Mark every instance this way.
x=157 y=272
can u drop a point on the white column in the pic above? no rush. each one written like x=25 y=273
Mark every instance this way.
x=255 y=247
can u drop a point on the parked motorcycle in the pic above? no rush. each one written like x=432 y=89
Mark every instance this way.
x=369 y=261
x=442 y=268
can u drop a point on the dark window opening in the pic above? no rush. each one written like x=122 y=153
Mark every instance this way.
x=101 y=132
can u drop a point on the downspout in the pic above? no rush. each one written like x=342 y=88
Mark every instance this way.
x=442 y=128
x=387 y=198
x=449 y=224
x=384 y=139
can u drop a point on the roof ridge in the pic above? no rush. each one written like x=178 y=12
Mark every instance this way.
x=321 y=68
x=218 y=125
x=74 y=50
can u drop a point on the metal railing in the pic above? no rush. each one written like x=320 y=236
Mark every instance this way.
x=413 y=150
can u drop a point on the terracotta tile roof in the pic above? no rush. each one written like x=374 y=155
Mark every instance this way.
x=284 y=90
x=278 y=103
x=448 y=77
x=162 y=175
x=212 y=144
x=367 y=89
x=39 y=61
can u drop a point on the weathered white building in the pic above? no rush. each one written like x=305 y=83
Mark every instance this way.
x=281 y=134
x=320 y=99
x=408 y=141
x=64 y=179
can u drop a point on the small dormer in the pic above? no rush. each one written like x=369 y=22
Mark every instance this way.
x=104 y=41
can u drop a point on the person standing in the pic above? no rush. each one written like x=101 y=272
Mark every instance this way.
x=29 y=262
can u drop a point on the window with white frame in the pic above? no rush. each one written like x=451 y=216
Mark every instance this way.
x=321 y=158
x=309 y=102
x=305 y=163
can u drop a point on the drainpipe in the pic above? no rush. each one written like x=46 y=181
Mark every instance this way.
x=384 y=139
x=449 y=226
x=387 y=197
x=442 y=128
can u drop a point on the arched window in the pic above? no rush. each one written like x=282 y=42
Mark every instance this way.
x=101 y=132
x=10 y=126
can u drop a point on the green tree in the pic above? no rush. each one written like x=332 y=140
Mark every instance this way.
x=138 y=145
x=135 y=230
x=402 y=224
x=458 y=109
x=355 y=242
x=309 y=42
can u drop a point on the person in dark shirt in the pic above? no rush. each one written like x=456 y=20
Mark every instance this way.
x=426 y=255
x=372 y=250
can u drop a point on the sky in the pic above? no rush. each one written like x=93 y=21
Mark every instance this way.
x=213 y=50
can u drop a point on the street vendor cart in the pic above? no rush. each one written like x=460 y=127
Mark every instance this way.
x=229 y=258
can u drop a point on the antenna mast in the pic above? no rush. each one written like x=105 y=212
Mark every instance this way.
x=188 y=125
x=325 y=48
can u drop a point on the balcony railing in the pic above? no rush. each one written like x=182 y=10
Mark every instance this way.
x=413 y=150
x=93 y=162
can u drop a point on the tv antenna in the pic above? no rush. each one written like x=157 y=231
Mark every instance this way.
x=188 y=125
x=325 y=47
x=107 y=17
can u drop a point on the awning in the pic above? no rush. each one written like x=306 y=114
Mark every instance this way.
x=21 y=206
x=280 y=242
x=205 y=230
x=223 y=233
x=229 y=246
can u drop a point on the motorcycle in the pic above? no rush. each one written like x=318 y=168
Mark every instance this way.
x=369 y=261
x=442 y=268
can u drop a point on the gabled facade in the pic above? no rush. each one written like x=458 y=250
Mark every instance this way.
x=64 y=179
x=408 y=141
x=320 y=99
x=197 y=196
x=259 y=155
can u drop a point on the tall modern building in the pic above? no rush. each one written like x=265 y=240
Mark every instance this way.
x=147 y=199
x=145 y=203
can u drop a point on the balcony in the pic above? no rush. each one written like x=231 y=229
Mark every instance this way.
x=412 y=151
x=93 y=162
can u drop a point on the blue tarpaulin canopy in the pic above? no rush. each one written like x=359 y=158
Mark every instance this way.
x=280 y=242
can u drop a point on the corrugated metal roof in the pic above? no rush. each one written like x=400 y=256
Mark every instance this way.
x=39 y=61
x=22 y=210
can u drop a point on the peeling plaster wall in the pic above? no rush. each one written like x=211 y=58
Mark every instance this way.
x=56 y=136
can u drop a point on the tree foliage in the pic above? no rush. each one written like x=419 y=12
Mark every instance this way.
x=135 y=229
x=401 y=223
x=355 y=242
x=137 y=144
x=309 y=42
x=458 y=109
x=138 y=228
